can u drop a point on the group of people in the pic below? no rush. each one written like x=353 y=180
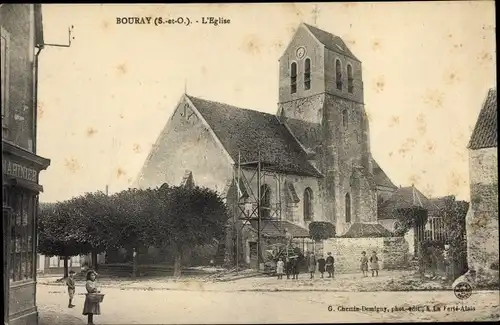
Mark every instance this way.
x=291 y=266
x=91 y=305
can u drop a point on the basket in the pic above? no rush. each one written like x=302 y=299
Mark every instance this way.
x=95 y=297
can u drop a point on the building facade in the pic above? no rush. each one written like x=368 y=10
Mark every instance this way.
x=482 y=217
x=314 y=153
x=21 y=41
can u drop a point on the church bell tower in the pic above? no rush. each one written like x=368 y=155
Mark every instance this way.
x=321 y=102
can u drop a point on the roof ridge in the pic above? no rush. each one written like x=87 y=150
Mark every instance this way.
x=228 y=105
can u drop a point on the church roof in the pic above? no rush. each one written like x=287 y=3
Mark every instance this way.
x=364 y=230
x=331 y=42
x=404 y=198
x=246 y=132
x=381 y=178
x=485 y=134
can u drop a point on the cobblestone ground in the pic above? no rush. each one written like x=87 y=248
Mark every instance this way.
x=199 y=305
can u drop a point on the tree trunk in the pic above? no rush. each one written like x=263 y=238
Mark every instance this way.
x=94 y=260
x=66 y=271
x=134 y=263
x=178 y=263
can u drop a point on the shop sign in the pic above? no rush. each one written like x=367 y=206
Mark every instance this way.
x=15 y=169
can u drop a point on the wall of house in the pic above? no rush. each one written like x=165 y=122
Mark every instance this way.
x=17 y=23
x=186 y=143
x=482 y=217
x=18 y=124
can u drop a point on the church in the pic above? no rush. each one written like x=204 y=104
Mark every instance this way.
x=313 y=155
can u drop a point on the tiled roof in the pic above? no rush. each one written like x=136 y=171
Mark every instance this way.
x=363 y=230
x=247 y=132
x=381 y=177
x=440 y=203
x=485 y=134
x=331 y=42
x=276 y=228
x=403 y=198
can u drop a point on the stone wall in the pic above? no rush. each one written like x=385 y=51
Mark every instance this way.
x=395 y=253
x=482 y=217
x=186 y=143
x=347 y=252
x=391 y=251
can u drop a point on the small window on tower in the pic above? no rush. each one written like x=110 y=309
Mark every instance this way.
x=350 y=80
x=293 y=78
x=338 y=74
x=345 y=119
x=347 y=208
x=307 y=74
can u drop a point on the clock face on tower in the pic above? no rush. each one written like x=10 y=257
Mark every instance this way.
x=301 y=51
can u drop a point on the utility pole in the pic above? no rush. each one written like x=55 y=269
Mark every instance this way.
x=107 y=188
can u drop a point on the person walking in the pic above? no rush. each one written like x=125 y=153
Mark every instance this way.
x=330 y=268
x=321 y=265
x=92 y=304
x=311 y=264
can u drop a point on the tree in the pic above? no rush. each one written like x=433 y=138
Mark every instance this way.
x=58 y=232
x=97 y=222
x=321 y=230
x=190 y=217
x=136 y=215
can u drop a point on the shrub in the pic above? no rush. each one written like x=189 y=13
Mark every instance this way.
x=321 y=230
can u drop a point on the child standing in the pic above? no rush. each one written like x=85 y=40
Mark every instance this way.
x=364 y=264
x=91 y=307
x=374 y=263
x=70 y=283
x=321 y=265
x=330 y=268
x=280 y=268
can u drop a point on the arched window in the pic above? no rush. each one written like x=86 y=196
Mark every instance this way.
x=338 y=74
x=347 y=208
x=308 y=204
x=350 y=80
x=345 y=119
x=293 y=77
x=307 y=74
x=265 y=202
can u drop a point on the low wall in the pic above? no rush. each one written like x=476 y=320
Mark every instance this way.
x=395 y=254
x=391 y=251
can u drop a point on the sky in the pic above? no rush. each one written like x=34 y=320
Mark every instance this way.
x=427 y=67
